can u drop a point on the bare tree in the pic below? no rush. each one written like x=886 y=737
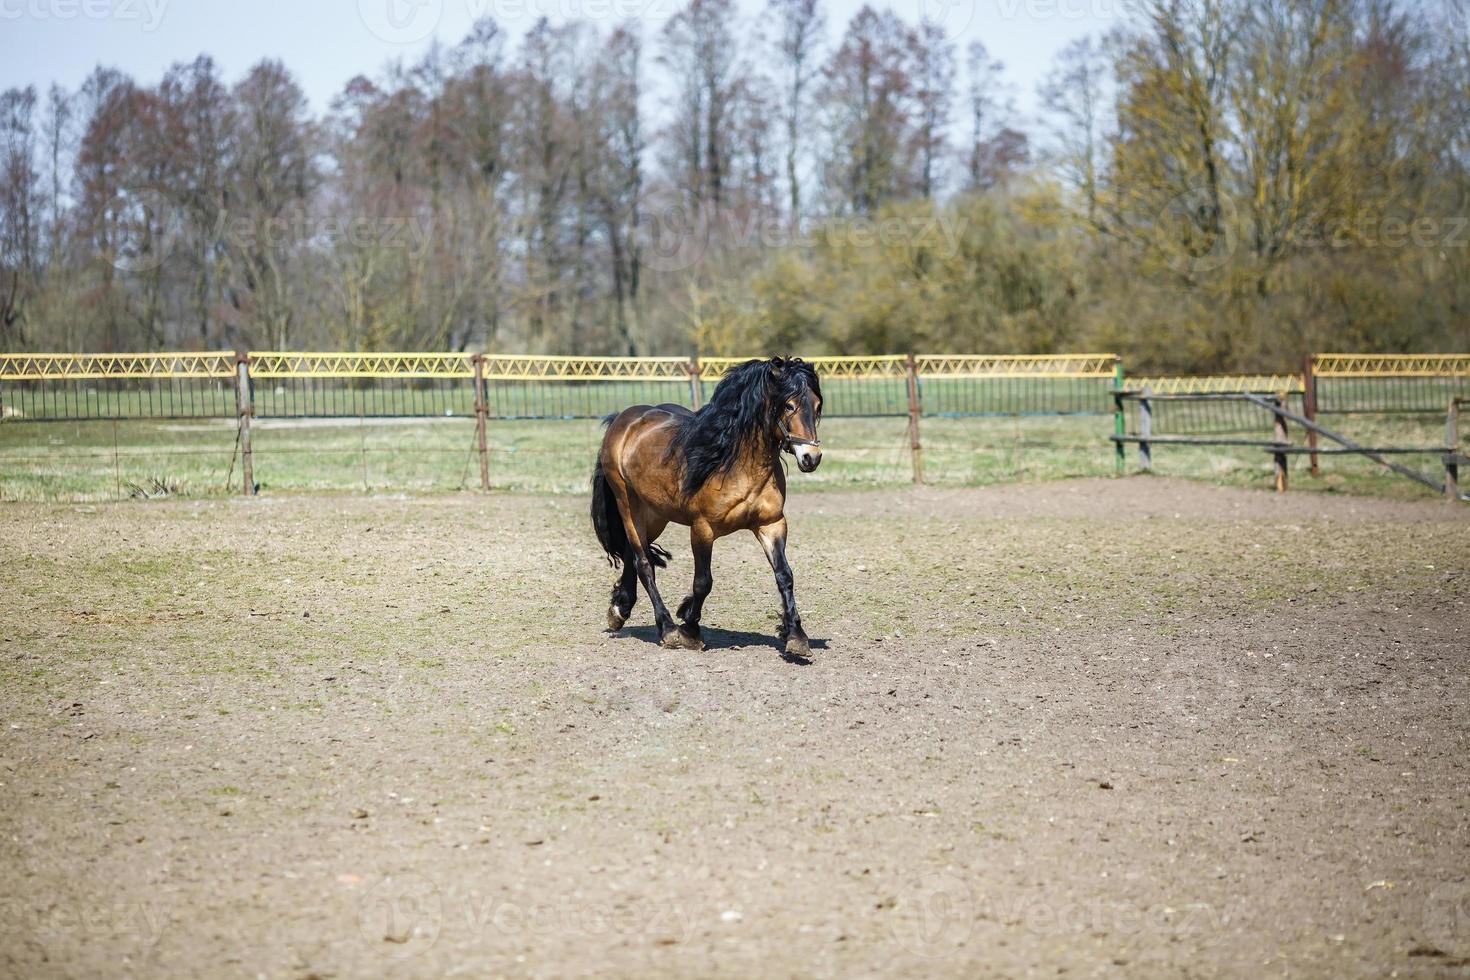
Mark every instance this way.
x=107 y=97
x=801 y=24
x=271 y=177
x=620 y=183
x=933 y=76
x=201 y=114
x=21 y=207
x=996 y=148
x=867 y=96
x=1074 y=94
x=698 y=47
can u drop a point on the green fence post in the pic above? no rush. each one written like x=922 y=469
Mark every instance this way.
x=1119 y=422
x=1309 y=403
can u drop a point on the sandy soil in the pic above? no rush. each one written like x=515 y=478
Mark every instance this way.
x=1121 y=727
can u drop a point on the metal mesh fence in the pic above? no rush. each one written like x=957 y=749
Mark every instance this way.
x=64 y=399
x=362 y=398
x=569 y=399
x=1182 y=406
x=1007 y=396
x=956 y=386
x=1357 y=396
x=852 y=387
x=78 y=387
x=959 y=386
x=583 y=388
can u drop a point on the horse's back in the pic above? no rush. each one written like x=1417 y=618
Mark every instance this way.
x=636 y=448
x=635 y=423
x=634 y=414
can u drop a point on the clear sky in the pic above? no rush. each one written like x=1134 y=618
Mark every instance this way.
x=326 y=42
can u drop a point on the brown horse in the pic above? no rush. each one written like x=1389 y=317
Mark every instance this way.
x=717 y=471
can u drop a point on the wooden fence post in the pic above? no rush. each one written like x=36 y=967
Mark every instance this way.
x=244 y=404
x=694 y=391
x=1279 y=458
x=1145 y=430
x=1452 y=451
x=1309 y=404
x=914 y=411
x=1120 y=420
x=482 y=411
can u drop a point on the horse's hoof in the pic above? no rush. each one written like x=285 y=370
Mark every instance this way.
x=798 y=646
x=679 y=639
x=615 y=619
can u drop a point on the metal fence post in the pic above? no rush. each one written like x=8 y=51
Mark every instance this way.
x=1145 y=430
x=482 y=411
x=1120 y=421
x=244 y=404
x=1452 y=451
x=914 y=411
x=694 y=387
x=1309 y=404
x=1279 y=458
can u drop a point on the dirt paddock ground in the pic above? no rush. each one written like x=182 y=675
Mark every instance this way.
x=1127 y=727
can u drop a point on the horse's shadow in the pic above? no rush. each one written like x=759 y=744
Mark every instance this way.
x=720 y=639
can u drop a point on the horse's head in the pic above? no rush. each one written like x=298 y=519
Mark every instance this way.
x=758 y=410
x=796 y=408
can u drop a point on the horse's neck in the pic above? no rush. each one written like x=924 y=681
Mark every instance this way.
x=760 y=467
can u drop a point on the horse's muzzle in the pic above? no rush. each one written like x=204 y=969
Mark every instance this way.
x=808 y=458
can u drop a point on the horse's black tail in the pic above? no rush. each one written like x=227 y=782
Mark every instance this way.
x=608 y=523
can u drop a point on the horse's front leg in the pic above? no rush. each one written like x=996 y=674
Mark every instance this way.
x=702 y=543
x=773 y=539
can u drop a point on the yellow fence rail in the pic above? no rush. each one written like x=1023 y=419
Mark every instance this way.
x=320 y=364
x=943 y=366
x=1017 y=365
x=525 y=367
x=883 y=366
x=1207 y=384
x=1392 y=365
x=84 y=367
x=340 y=364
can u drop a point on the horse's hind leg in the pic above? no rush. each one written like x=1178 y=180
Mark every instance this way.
x=669 y=633
x=702 y=541
x=624 y=594
x=641 y=535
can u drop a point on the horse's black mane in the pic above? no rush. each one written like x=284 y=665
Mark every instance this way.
x=742 y=411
